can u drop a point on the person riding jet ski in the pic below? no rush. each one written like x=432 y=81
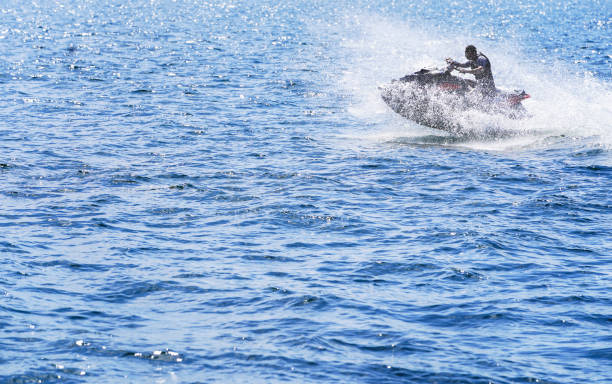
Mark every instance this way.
x=480 y=67
x=435 y=98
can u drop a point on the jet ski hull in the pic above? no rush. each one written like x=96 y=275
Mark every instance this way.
x=437 y=99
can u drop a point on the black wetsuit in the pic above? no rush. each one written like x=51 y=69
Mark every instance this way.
x=485 y=79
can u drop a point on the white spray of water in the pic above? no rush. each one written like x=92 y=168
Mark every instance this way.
x=562 y=103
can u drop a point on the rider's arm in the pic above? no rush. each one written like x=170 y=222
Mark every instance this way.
x=481 y=63
x=474 y=71
x=457 y=64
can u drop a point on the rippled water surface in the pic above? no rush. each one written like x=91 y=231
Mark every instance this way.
x=214 y=192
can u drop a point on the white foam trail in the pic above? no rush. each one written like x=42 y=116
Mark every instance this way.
x=563 y=103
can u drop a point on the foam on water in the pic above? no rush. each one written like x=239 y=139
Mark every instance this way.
x=563 y=102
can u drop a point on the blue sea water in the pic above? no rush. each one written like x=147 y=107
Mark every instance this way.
x=214 y=192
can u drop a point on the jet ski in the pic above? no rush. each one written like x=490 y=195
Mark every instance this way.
x=437 y=99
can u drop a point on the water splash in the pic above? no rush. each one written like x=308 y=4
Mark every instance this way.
x=563 y=103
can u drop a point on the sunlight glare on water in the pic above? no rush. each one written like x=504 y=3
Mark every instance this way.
x=212 y=192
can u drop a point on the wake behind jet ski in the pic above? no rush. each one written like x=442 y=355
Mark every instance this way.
x=436 y=98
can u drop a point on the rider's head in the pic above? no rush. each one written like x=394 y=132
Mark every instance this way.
x=470 y=52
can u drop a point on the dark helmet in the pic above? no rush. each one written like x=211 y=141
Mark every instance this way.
x=471 y=53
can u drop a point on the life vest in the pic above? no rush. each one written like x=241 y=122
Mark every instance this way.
x=484 y=79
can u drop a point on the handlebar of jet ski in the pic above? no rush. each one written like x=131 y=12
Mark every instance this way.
x=451 y=67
